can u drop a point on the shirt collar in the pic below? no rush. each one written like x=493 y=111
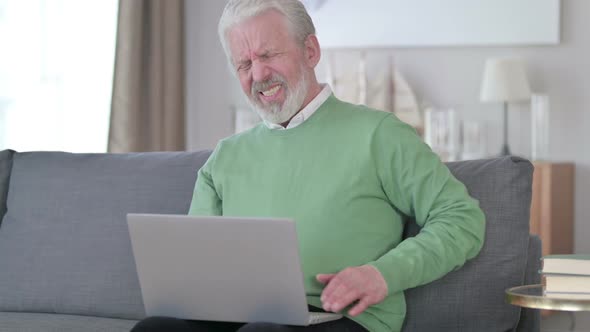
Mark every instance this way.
x=306 y=112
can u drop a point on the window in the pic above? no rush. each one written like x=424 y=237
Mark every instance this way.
x=56 y=70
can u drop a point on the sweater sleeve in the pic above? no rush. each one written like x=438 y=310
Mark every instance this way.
x=206 y=201
x=419 y=185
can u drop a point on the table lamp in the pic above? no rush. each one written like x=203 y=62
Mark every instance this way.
x=505 y=81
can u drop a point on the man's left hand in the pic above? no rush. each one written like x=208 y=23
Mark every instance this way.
x=364 y=284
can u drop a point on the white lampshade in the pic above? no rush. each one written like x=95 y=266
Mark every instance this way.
x=504 y=80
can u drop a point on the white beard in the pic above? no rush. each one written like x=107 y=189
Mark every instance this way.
x=276 y=113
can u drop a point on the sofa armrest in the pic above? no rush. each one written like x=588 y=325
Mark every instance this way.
x=472 y=297
x=5 y=169
x=530 y=319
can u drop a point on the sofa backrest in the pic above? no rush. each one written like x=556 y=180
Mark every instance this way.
x=472 y=298
x=64 y=242
x=76 y=258
x=5 y=167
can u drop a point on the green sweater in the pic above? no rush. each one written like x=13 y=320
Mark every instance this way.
x=349 y=176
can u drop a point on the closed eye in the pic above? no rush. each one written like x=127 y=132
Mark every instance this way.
x=268 y=55
x=244 y=65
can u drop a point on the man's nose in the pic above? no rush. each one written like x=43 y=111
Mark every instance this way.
x=260 y=71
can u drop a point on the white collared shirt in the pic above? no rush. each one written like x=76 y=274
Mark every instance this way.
x=307 y=112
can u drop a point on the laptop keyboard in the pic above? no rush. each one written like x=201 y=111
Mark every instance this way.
x=322 y=317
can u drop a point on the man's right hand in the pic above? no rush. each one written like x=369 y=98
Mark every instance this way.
x=364 y=284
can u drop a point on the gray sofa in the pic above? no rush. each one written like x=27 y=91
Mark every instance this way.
x=67 y=263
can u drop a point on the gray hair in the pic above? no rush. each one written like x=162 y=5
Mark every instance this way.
x=237 y=11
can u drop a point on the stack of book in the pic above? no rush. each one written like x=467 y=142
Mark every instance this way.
x=566 y=276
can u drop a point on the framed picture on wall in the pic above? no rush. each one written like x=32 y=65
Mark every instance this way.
x=410 y=23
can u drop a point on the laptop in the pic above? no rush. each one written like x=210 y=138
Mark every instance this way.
x=221 y=269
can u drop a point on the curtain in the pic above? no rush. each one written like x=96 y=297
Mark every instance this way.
x=147 y=110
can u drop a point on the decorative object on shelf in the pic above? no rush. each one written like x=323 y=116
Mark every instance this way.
x=405 y=105
x=540 y=127
x=380 y=87
x=330 y=80
x=441 y=134
x=505 y=81
x=375 y=82
x=473 y=141
x=362 y=80
x=344 y=83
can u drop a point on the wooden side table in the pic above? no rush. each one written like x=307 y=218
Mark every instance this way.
x=552 y=206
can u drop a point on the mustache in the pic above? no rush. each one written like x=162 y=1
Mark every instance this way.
x=265 y=85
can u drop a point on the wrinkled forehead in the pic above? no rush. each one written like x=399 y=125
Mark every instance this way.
x=268 y=31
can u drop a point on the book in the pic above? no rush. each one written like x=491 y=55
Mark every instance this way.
x=564 y=283
x=568 y=296
x=566 y=264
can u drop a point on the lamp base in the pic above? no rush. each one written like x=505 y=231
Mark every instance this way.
x=505 y=148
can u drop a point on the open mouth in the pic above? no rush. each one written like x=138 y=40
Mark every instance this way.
x=271 y=92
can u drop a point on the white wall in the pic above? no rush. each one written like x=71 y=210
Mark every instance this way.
x=210 y=87
x=446 y=77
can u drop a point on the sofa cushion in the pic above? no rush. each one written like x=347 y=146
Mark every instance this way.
x=35 y=322
x=64 y=243
x=5 y=167
x=472 y=298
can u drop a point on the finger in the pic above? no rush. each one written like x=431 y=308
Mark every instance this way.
x=342 y=299
x=331 y=286
x=361 y=306
x=335 y=295
x=324 y=278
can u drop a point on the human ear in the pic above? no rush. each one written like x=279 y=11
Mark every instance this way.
x=312 y=51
